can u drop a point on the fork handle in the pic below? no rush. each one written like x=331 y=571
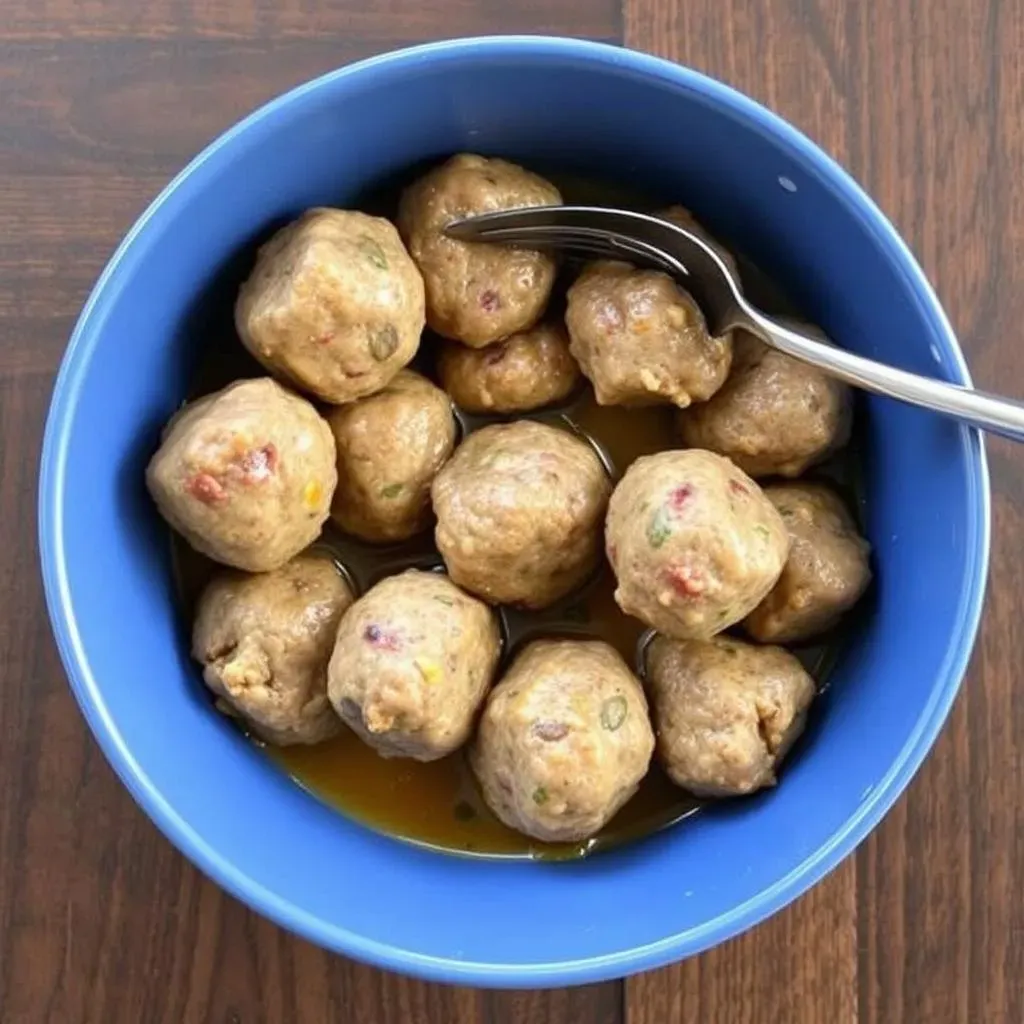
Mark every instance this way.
x=1003 y=416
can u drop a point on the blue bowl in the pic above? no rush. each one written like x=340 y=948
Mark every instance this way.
x=105 y=556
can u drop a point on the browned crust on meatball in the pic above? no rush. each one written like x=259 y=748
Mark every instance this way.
x=390 y=447
x=564 y=740
x=519 y=509
x=264 y=641
x=476 y=293
x=726 y=713
x=641 y=340
x=334 y=304
x=681 y=216
x=827 y=572
x=774 y=415
x=530 y=370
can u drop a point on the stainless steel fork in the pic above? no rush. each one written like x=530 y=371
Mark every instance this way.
x=649 y=241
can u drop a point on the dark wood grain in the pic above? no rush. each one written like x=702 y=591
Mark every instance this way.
x=799 y=966
x=924 y=106
x=394 y=21
x=100 y=919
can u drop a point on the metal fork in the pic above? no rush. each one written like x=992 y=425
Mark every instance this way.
x=651 y=242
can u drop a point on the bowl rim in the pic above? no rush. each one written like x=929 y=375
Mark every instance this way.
x=869 y=813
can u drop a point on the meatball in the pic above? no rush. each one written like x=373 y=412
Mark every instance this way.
x=641 y=340
x=264 y=642
x=527 y=371
x=827 y=570
x=564 y=740
x=774 y=415
x=413 y=660
x=334 y=304
x=476 y=293
x=390 y=446
x=725 y=712
x=682 y=217
x=519 y=510
x=246 y=474
x=694 y=543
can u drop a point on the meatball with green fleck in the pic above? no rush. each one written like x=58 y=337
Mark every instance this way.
x=519 y=509
x=476 y=293
x=774 y=416
x=726 y=713
x=390 y=447
x=334 y=305
x=264 y=642
x=827 y=571
x=412 y=662
x=246 y=475
x=694 y=543
x=563 y=741
x=530 y=370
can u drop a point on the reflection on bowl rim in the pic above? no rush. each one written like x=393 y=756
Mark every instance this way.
x=876 y=803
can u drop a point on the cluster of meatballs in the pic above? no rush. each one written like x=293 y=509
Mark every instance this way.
x=524 y=512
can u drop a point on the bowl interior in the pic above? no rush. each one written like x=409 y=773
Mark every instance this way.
x=605 y=113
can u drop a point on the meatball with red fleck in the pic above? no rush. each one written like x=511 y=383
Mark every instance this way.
x=564 y=740
x=412 y=662
x=530 y=370
x=246 y=474
x=476 y=293
x=694 y=543
x=334 y=304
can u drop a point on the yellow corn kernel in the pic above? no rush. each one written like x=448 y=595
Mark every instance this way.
x=312 y=494
x=676 y=316
x=242 y=442
x=429 y=669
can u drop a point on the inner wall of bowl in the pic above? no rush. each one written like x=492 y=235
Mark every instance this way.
x=248 y=825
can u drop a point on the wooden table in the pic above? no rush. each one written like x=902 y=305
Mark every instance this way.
x=101 y=920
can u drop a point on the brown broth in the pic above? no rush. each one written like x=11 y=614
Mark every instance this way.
x=437 y=804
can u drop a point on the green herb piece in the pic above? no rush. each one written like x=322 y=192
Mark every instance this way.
x=446 y=601
x=540 y=795
x=613 y=712
x=384 y=342
x=391 y=491
x=373 y=252
x=660 y=529
x=763 y=531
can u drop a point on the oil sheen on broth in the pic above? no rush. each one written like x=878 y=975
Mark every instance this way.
x=436 y=804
